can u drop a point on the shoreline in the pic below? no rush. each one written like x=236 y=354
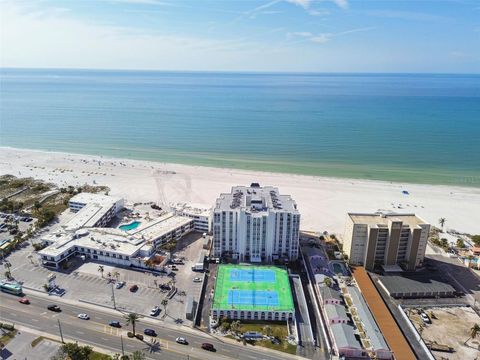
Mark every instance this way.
x=323 y=201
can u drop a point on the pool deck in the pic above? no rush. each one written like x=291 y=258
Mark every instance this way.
x=387 y=324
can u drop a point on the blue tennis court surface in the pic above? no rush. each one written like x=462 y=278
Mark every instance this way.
x=252 y=297
x=252 y=275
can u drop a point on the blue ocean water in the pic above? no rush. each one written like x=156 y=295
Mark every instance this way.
x=395 y=127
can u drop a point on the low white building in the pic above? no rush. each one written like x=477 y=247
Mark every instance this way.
x=201 y=216
x=93 y=210
x=85 y=234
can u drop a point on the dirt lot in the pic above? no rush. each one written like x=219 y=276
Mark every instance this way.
x=450 y=326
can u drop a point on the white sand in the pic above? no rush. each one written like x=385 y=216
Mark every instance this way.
x=323 y=202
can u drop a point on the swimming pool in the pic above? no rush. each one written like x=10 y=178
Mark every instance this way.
x=131 y=226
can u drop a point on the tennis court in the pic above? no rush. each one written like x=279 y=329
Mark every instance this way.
x=254 y=274
x=254 y=288
x=252 y=297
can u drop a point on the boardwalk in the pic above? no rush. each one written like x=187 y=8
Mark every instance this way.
x=389 y=328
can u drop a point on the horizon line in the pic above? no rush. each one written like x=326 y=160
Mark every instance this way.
x=279 y=72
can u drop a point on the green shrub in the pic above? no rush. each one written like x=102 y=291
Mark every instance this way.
x=139 y=336
x=130 y=334
x=8 y=327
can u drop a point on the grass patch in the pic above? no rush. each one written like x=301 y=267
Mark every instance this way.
x=9 y=335
x=37 y=341
x=99 y=356
x=279 y=330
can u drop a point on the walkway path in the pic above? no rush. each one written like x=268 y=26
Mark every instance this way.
x=390 y=330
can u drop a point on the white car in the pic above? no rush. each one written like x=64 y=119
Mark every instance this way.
x=181 y=340
x=83 y=316
x=155 y=311
x=197 y=279
x=425 y=318
x=119 y=284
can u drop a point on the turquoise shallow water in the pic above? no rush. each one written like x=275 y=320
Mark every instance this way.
x=131 y=226
x=414 y=128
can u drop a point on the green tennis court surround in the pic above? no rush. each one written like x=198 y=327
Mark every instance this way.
x=252 y=288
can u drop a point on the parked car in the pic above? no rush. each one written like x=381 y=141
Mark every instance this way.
x=155 y=311
x=53 y=307
x=133 y=288
x=208 y=346
x=425 y=318
x=150 y=332
x=119 y=284
x=24 y=301
x=83 y=316
x=165 y=287
x=115 y=323
x=197 y=279
x=181 y=340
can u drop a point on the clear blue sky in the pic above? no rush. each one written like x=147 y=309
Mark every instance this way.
x=276 y=35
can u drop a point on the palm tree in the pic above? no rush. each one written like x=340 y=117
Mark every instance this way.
x=30 y=257
x=474 y=331
x=101 y=270
x=235 y=326
x=116 y=275
x=149 y=263
x=268 y=330
x=442 y=222
x=138 y=355
x=7 y=265
x=132 y=318
x=327 y=281
x=164 y=304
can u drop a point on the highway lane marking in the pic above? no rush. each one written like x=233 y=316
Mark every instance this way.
x=79 y=332
x=36 y=320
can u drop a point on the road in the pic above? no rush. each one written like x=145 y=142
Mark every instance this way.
x=96 y=333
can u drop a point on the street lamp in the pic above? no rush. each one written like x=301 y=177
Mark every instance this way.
x=113 y=297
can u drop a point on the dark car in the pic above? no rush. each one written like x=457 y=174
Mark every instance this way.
x=150 y=332
x=208 y=346
x=53 y=307
x=133 y=288
x=115 y=324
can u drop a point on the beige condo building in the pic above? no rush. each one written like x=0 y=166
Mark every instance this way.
x=385 y=239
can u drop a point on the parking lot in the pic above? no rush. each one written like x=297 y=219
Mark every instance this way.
x=84 y=282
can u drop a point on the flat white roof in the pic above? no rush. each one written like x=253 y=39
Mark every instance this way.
x=99 y=199
x=157 y=228
x=102 y=239
x=86 y=217
x=379 y=219
x=96 y=206
x=113 y=240
x=256 y=198
x=192 y=209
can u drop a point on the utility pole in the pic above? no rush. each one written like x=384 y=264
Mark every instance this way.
x=60 y=328
x=121 y=340
x=113 y=297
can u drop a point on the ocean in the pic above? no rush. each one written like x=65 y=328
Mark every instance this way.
x=392 y=127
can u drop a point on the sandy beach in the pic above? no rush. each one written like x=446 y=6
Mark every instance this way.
x=323 y=202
